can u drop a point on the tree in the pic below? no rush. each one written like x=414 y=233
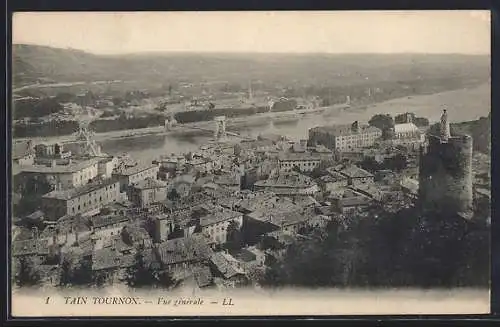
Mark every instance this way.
x=269 y=242
x=421 y=121
x=173 y=195
x=99 y=278
x=126 y=237
x=164 y=279
x=27 y=275
x=234 y=239
x=82 y=273
x=66 y=273
x=142 y=275
x=139 y=275
x=381 y=121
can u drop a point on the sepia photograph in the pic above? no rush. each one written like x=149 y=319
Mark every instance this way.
x=258 y=163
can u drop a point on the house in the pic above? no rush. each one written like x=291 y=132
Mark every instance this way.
x=370 y=191
x=226 y=267
x=73 y=173
x=346 y=137
x=35 y=248
x=215 y=225
x=183 y=253
x=183 y=184
x=352 y=204
x=203 y=277
x=111 y=263
x=131 y=175
x=304 y=161
x=105 y=226
x=146 y=192
x=82 y=200
x=410 y=187
x=288 y=184
x=230 y=181
x=355 y=175
x=332 y=182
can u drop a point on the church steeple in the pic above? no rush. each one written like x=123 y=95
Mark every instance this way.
x=444 y=127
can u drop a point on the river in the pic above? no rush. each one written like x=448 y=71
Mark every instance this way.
x=462 y=105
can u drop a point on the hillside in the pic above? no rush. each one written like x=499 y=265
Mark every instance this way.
x=479 y=129
x=32 y=63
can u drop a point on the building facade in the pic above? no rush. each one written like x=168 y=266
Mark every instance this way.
x=72 y=174
x=344 y=137
x=131 y=175
x=146 y=192
x=81 y=200
x=289 y=184
x=304 y=161
x=215 y=225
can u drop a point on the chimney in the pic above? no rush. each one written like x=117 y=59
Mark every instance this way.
x=34 y=232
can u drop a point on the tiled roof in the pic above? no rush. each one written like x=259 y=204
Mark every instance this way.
x=203 y=276
x=355 y=201
x=405 y=128
x=289 y=218
x=353 y=171
x=21 y=149
x=300 y=156
x=149 y=183
x=106 y=258
x=332 y=178
x=287 y=180
x=190 y=249
x=127 y=171
x=102 y=221
x=344 y=129
x=58 y=169
x=224 y=266
x=30 y=247
x=222 y=214
x=35 y=215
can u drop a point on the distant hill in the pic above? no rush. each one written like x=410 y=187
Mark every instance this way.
x=33 y=64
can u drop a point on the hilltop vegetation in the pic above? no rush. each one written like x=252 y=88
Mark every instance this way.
x=31 y=63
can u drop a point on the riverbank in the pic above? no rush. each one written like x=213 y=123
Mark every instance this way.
x=187 y=127
x=463 y=105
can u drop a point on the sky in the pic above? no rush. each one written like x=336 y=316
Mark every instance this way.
x=466 y=32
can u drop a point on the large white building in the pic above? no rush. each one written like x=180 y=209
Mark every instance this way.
x=73 y=174
x=344 y=137
x=407 y=134
x=304 y=161
x=81 y=200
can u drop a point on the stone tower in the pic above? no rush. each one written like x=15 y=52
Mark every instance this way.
x=445 y=177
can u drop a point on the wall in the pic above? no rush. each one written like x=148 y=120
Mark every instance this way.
x=446 y=175
x=218 y=231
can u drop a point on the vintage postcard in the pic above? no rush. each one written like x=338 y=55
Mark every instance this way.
x=250 y=163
